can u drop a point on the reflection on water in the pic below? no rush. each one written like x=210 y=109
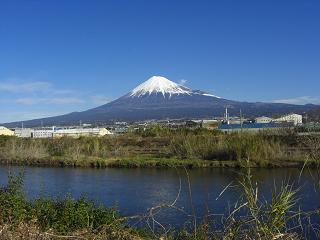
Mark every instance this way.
x=136 y=190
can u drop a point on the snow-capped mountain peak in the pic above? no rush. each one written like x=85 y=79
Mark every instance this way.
x=158 y=84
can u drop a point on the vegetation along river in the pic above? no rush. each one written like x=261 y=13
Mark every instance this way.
x=133 y=191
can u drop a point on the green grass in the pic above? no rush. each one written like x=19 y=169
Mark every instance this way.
x=61 y=215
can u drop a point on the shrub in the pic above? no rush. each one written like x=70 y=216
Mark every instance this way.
x=13 y=206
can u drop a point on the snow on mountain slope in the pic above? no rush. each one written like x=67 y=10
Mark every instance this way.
x=158 y=84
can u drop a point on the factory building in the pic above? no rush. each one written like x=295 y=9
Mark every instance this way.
x=263 y=119
x=78 y=132
x=42 y=133
x=6 y=132
x=23 y=132
x=60 y=132
x=296 y=119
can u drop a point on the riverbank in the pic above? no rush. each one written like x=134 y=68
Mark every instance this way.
x=47 y=216
x=57 y=218
x=165 y=148
x=152 y=162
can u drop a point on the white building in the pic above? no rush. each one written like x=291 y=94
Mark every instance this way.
x=42 y=133
x=296 y=119
x=263 y=119
x=6 y=132
x=68 y=132
x=23 y=132
x=77 y=132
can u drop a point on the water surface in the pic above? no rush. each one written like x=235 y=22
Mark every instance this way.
x=133 y=191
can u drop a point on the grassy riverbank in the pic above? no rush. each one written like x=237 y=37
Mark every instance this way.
x=159 y=147
x=45 y=218
x=48 y=218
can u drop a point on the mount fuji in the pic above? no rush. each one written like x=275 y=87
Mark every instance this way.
x=160 y=85
x=159 y=98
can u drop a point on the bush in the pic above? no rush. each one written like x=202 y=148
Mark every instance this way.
x=13 y=206
x=64 y=215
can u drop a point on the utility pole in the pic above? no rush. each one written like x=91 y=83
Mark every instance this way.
x=241 y=119
x=306 y=117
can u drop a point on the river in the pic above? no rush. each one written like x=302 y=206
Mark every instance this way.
x=133 y=191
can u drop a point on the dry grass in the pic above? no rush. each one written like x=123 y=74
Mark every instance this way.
x=262 y=149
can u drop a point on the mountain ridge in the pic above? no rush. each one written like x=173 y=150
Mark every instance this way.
x=159 y=98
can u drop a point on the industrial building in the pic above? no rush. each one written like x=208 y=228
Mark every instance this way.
x=296 y=119
x=264 y=123
x=6 y=132
x=23 y=132
x=263 y=119
x=77 y=132
x=252 y=127
x=42 y=133
x=60 y=132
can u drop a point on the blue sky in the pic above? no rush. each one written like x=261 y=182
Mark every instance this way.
x=62 y=56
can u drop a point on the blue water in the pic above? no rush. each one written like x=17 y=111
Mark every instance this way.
x=133 y=191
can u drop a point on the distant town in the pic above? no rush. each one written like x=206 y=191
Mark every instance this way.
x=225 y=124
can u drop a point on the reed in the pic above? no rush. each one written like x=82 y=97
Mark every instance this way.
x=263 y=149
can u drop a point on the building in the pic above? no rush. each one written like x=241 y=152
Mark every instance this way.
x=78 y=132
x=263 y=119
x=251 y=127
x=60 y=132
x=296 y=119
x=6 y=132
x=23 y=132
x=42 y=133
x=210 y=124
